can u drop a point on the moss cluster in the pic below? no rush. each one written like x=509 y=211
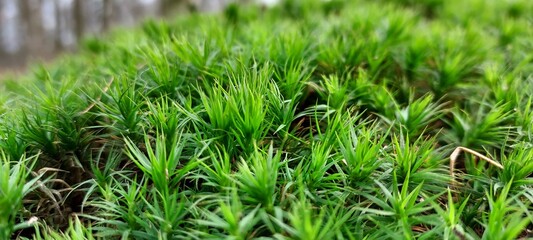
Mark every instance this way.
x=308 y=120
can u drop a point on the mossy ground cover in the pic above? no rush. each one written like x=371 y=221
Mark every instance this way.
x=309 y=120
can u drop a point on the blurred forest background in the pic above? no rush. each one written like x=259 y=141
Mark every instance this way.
x=40 y=29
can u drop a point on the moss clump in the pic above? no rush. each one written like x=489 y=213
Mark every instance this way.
x=308 y=120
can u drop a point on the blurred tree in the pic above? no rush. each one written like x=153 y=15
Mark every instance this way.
x=108 y=11
x=57 y=16
x=79 y=18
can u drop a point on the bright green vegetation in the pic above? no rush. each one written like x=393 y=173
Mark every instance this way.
x=310 y=120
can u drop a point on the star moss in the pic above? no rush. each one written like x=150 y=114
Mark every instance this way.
x=308 y=120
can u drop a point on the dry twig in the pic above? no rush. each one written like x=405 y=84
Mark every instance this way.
x=458 y=150
x=97 y=99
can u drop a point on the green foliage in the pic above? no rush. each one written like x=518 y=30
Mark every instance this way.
x=310 y=119
x=505 y=220
x=14 y=186
x=362 y=154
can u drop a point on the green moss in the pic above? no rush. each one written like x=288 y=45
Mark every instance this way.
x=308 y=120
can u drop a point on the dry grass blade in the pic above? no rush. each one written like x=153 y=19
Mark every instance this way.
x=48 y=169
x=104 y=90
x=458 y=150
x=51 y=193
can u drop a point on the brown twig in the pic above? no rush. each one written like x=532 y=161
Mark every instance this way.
x=458 y=150
x=106 y=88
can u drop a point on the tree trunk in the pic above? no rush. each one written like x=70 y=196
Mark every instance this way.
x=57 y=38
x=79 y=19
x=108 y=10
x=25 y=23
